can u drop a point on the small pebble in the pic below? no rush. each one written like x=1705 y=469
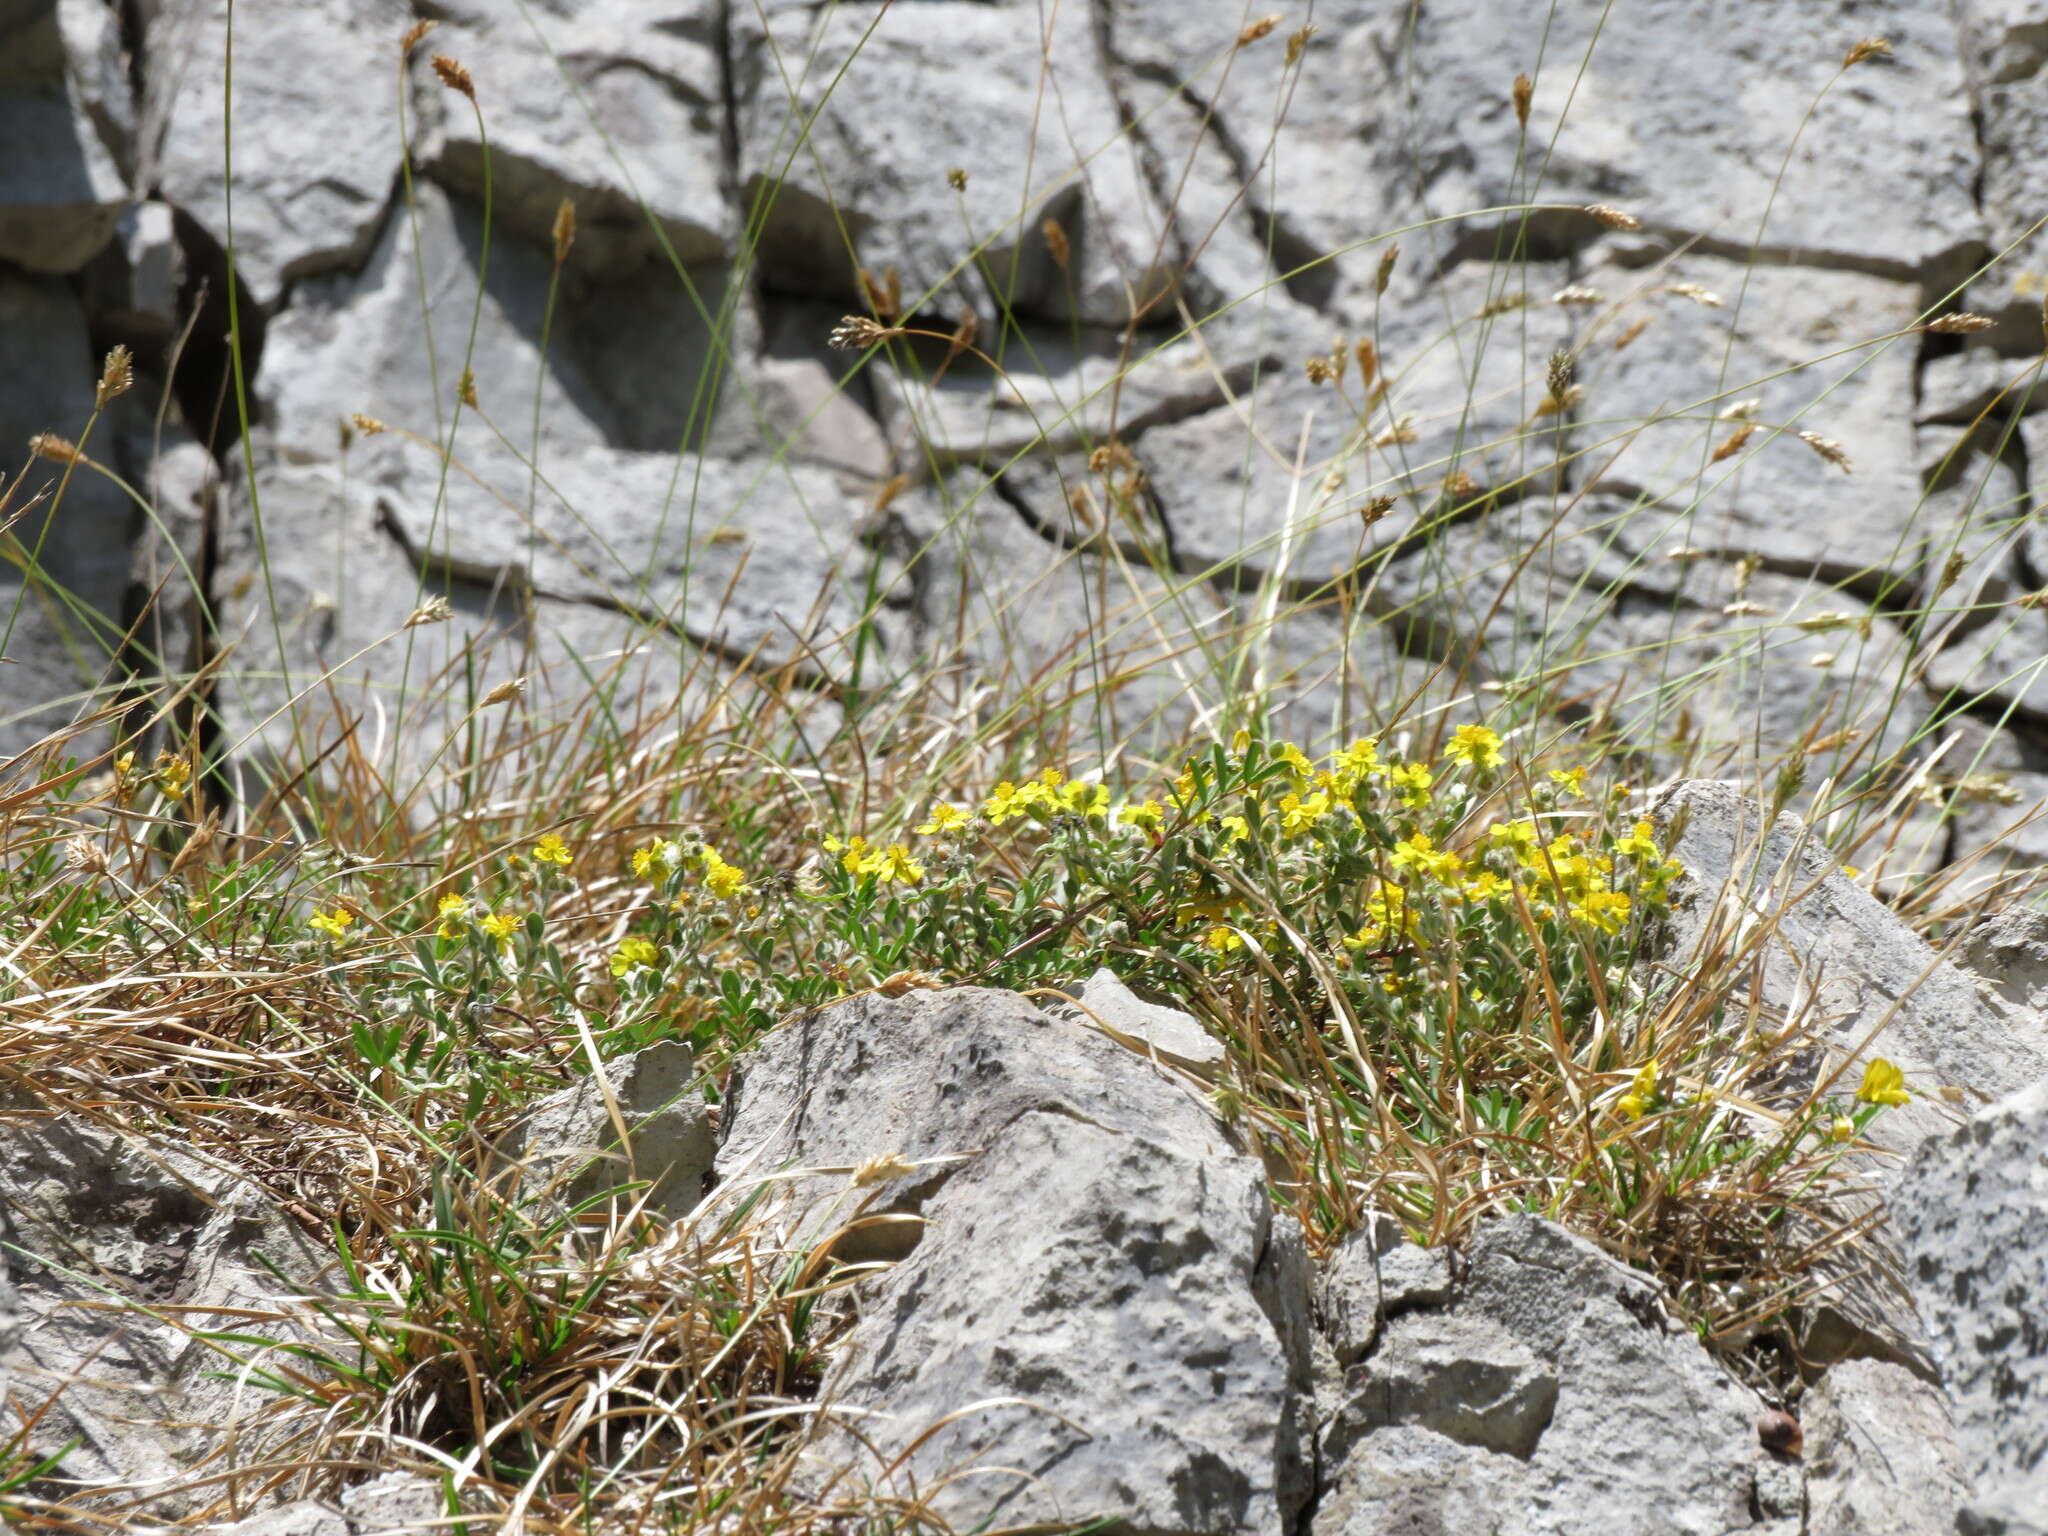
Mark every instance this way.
x=1779 y=1432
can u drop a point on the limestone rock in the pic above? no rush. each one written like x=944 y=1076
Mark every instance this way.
x=569 y=1144
x=611 y=104
x=1172 y=1034
x=1880 y=1453
x=1549 y=1385
x=63 y=114
x=869 y=185
x=1075 y=1207
x=1970 y=1213
x=311 y=182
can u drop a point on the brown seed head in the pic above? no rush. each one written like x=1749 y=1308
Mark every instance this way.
x=1524 y=92
x=465 y=389
x=506 y=690
x=454 y=76
x=369 y=426
x=1731 y=445
x=891 y=1165
x=1558 y=377
x=889 y=490
x=1368 y=357
x=1636 y=328
x=84 y=855
x=565 y=230
x=2033 y=599
x=1459 y=485
x=58 y=450
x=1386 y=272
x=1375 y=509
x=1828 y=449
x=413 y=34
x=856 y=332
x=1869 y=48
x=963 y=334
x=117 y=376
x=1297 y=44
x=1960 y=323
x=1505 y=304
x=1319 y=370
x=1951 y=572
x=1257 y=30
x=1055 y=243
x=956 y=178
x=1613 y=217
x=1779 y=1433
x=434 y=610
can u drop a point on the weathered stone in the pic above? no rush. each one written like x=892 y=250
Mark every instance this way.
x=1659 y=403
x=310 y=184
x=1880 y=1454
x=1151 y=1244
x=61 y=187
x=569 y=1144
x=1875 y=988
x=1172 y=1035
x=616 y=105
x=61 y=633
x=1550 y=1386
x=1970 y=1213
x=862 y=182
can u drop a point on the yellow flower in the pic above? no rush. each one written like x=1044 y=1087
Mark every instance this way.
x=1413 y=782
x=658 y=858
x=1520 y=837
x=1006 y=804
x=1236 y=829
x=1388 y=910
x=853 y=853
x=1147 y=814
x=551 y=850
x=1841 y=1128
x=1474 y=744
x=1883 y=1083
x=1633 y=1105
x=1084 y=799
x=723 y=880
x=633 y=955
x=335 y=923
x=453 y=910
x=1571 y=780
x=1642 y=1094
x=1605 y=910
x=500 y=926
x=1484 y=886
x=1640 y=844
x=1298 y=815
x=945 y=818
x=1240 y=741
x=893 y=863
x=173 y=774
x=1288 y=753
x=1358 y=759
x=1420 y=853
x=1222 y=939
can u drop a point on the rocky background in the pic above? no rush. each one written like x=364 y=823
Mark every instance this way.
x=667 y=472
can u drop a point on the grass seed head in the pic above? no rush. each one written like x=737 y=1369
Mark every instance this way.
x=856 y=333
x=1960 y=323
x=1704 y=297
x=1385 y=274
x=565 y=230
x=1258 y=29
x=1056 y=243
x=1731 y=445
x=413 y=34
x=435 y=610
x=369 y=426
x=454 y=76
x=1524 y=92
x=1828 y=449
x=510 y=689
x=1613 y=217
x=956 y=178
x=1297 y=44
x=117 y=376
x=1869 y=48
x=57 y=449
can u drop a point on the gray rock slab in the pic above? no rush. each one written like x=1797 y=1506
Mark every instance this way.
x=64 y=116
x=1550 y=1394
x=617 y=105
x=569 y=1146
x=1173 y=1035
x=312 y=180
x=1880 y=1453
x=1971 y=1214
x=867 y=185
x=1102 y=1245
